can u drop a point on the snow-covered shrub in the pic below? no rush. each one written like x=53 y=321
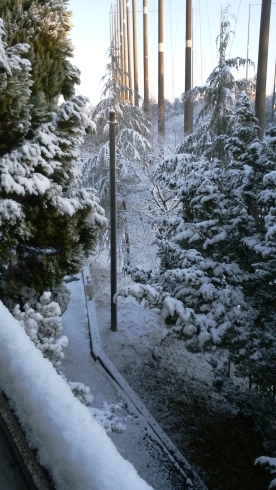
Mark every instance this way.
x=106 y=417
x=81 y=392
x=61 y=294
x=270 y=464
x=43 y=326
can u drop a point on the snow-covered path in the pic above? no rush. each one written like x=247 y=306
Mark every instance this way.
x=137 y=443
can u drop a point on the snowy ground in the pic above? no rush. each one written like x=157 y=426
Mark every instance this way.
x=136 y=443
x=140 y=338
x=177 y=388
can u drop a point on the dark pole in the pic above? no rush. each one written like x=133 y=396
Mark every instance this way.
x=130 y=52
x=161 y=99
x=188 y=109
x=113 y=219
x=135 y=53
x=273 y=96
x=262 y=65
x=146 y=57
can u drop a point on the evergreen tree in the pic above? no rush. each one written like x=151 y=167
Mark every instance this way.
x=132 y=146
x=132 y=130
x=48 y=224
x=216 y=284
x=15 y=91
x=44 y=26
x=217 y=97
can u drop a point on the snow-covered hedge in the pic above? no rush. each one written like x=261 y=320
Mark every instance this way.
x=73 y=446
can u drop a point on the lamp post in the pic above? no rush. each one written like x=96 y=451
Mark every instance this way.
x=113 y=219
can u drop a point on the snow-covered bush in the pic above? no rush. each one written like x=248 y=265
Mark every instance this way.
x=43 y=326
x=81 y=392
x=106 y=417
x=270 y=464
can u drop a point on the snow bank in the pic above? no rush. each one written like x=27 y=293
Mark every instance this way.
x=74 y=447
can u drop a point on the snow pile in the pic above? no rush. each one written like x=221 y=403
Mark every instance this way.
x=73 y=446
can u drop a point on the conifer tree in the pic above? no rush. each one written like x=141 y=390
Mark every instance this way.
x=218 y=97
x=132 y=129
x=15 y=93
x=216 y=283
x=48 y=223
x=44 y=26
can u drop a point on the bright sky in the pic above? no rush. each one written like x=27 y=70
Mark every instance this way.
x=91 y=38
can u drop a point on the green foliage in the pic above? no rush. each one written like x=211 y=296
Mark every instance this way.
x=44 y=25
x=15 y=90
x=48 y=224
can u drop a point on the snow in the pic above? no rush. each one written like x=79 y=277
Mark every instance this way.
x=141 y=333
x=70 y=443
x=111 y=406
x=270 y=464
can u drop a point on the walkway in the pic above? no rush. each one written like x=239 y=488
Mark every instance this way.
x=143 y=442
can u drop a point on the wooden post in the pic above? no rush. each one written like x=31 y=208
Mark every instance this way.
x=129 y=46
x=146 y=57
x=188 y=109
x=161 y=99
x=262 y=65
x=135 y=53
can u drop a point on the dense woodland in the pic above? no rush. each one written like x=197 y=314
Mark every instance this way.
x=207 y=203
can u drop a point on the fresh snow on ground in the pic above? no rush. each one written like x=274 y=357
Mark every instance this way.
x=70 y=443
x=140 y=333
x=128 y=429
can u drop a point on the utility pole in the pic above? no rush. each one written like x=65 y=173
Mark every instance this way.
x=161 y=99
x=135 y=53
x=262 y=65
x=113 y=219
x=273 y=96
x=126 y=49
x=110 y=24
x=188 y=109
x=248 y=32
x=146 y=57
x=129 y=53
x=118 y=39
x=122 y=48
